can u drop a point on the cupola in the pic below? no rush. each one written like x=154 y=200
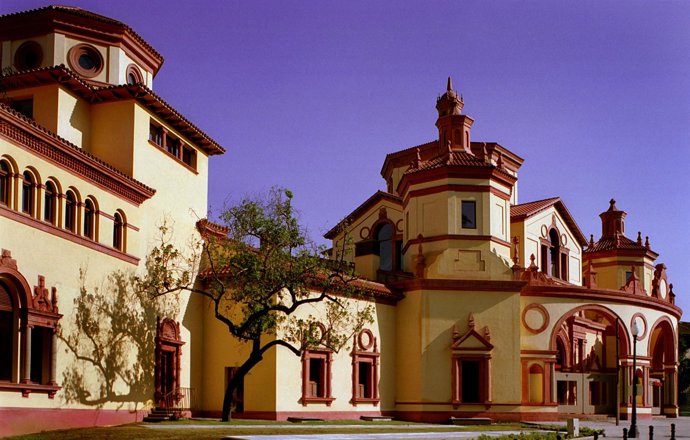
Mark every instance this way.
x=453 y=126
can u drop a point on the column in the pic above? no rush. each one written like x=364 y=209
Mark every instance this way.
x=27 y=354
x=53 y=359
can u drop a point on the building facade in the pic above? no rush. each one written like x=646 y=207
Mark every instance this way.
x=92 y=163
x=507 y=310
x=483 y=305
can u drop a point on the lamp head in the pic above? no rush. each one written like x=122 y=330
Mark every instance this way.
x=634 y=328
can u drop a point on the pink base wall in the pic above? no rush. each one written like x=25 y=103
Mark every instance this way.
x=16 y=421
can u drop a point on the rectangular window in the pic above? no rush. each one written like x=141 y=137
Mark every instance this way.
x=155 y=134
x=364 y=385
x=24 y=106
x=189 y=156
x=469 y=214
x=316 y=376
x=173 y=146
x=470 y=382
x=41 y=352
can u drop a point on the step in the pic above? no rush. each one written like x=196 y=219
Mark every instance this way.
x=377 y=418
x=304 y=419
x=470 y=420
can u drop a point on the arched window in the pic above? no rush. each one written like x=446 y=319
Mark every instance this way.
x=89 y=220
x=29 y=193
x=70 y=211
x=119 y=232
x=384 y=237
x=554 y=257
x=50 y=203
x=5 y=183
x=8 y=319
x=554 y=253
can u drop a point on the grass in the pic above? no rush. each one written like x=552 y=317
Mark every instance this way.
x=218 y=429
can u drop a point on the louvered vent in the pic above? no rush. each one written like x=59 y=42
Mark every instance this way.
x=5 y=299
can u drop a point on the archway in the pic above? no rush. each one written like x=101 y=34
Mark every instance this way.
x=663 y=373
x=589 y=341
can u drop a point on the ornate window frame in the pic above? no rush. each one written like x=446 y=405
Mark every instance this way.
x=365 y=352
x=326 y=357
x=478 y=350
x=39 y=309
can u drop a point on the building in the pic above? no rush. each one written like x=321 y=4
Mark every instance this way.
x=484 y=305
x=507 y=311
x=92 y=162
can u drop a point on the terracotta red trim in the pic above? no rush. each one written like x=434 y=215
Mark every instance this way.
x=628 y=264
x=642 y=335
x=283 y=415
x=28 y=420
x=175 y=158
x=591 y=255
x=454 y=187
x=449 y=172
x=545 y=314
x=67 y=235
x=674 y=337
x=599 y=295
x=372 y=201
x=452 y=284
x=84 y=25
x=114 y=93
x=538 y=353
x=27 y=135
x=491 y=238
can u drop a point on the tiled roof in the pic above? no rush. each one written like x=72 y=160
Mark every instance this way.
x=456 y=158
x=614 y=243
x=525 y=210
x=94 y=94
x=528 y=209
x=89 y=15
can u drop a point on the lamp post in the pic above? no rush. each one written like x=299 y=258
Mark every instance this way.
x=633 y=422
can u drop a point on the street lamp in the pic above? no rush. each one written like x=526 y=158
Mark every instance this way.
x=633 y=422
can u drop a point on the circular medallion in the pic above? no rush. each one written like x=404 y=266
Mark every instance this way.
x=535 y=318
x=365 y=339
x=641 y=322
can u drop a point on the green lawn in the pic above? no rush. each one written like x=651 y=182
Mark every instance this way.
x=216 y=430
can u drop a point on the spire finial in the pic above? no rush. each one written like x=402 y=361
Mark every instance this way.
x=449 y=87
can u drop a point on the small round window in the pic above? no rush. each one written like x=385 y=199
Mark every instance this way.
x=85 y=60
x=28 y=56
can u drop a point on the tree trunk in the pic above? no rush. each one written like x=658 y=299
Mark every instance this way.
x=254 y=358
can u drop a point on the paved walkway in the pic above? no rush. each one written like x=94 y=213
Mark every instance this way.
x=662 y=431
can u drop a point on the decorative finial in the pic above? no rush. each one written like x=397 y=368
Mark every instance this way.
x=646 y=241
x=419 y=155
x=516 y=255
x=591 y=240
x=449 y=87
x=612 y=205
x=639 y=238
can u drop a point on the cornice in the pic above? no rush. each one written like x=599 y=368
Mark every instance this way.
x=26 y=134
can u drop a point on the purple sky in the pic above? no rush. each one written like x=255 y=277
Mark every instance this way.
x=311 y=95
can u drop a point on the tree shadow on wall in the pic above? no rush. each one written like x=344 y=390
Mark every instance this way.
x=112 y=338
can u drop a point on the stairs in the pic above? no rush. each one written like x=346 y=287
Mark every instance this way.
x=160 y=415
